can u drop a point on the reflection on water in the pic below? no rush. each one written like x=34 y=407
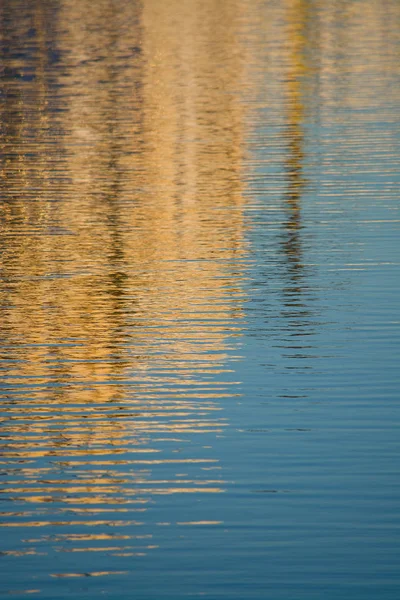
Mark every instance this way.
x=194 y=197
x=122 y=294
x=294 y=168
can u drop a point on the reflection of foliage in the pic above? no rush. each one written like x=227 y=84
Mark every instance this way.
x=122 y=237
x=294 y=134
x=99 y=224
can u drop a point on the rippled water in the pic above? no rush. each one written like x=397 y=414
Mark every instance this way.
x=199 y=282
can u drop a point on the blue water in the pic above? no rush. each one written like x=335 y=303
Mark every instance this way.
x=199 y=281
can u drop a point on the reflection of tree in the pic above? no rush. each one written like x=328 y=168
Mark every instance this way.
x=139 y=219
x=294 y=135
x=294 y=169
x=123 y=233
x=294 y=291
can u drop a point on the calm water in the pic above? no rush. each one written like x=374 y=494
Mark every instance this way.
x=199 y=282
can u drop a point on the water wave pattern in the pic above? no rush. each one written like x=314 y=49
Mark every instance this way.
x=199 y=279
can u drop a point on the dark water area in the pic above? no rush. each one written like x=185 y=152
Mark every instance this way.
x=199 y=284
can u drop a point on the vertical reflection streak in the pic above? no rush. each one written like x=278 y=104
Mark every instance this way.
x=122 y=273
x=295 y=137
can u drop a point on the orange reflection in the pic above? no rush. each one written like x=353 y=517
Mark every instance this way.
x=123 y=262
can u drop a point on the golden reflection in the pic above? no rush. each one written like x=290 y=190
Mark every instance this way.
x=122 y=231
x=122 y=269
x=89 y=574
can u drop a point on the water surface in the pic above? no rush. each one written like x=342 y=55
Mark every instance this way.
x=199 y=282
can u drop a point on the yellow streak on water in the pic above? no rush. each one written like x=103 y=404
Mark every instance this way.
x=123 y=258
